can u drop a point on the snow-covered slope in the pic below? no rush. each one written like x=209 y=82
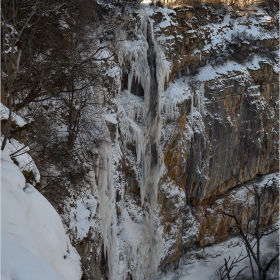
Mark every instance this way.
x=203 y=264
x=34 y=243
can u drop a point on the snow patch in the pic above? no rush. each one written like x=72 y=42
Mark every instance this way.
x=34 y=243
x=16 y=118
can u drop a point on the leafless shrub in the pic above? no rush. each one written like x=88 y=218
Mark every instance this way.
x=252 y=233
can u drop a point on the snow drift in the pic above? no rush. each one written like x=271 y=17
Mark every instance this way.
x=34 y=243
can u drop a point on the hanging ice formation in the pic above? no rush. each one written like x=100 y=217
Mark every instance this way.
x=107 y=205
x=191 y=113
x=148 y=67
x=201 y=99
x=130 y=246
x=139 y=124
x=169 y=111
x=198 y=98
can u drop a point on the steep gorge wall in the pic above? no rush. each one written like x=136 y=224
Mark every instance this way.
x=225 y=131
x=190 y=104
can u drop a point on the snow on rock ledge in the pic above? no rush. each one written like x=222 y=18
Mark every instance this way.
x=16 y=118
x=34 y=243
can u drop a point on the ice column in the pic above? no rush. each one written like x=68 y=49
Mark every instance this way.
x=140 y=123
x=107 y=208
x=201 y=109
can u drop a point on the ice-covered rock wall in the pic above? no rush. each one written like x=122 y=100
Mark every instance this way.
x=134 y=242
x=188 y=117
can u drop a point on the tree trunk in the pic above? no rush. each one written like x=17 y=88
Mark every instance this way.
x=226 y=265
x=8 y=124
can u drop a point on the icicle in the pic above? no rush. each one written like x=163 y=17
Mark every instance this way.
x=191 y=113
x=141 y=128
x=108 y=209
x=152 y=33
x=129 y=82
x=201 y=110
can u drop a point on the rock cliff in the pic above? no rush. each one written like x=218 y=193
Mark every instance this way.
x=190 y=103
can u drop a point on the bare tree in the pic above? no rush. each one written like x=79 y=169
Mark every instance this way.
x=252 y=232
x=35 y=50
x=65 y=110
x=11 y=53
x=225 y=271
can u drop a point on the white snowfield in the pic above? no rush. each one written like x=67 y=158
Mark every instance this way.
x=212 y=258
x=33 y=239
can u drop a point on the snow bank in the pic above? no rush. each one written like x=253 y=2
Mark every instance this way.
x=16 y=118
x=34 y=243
x=212 y=258
x=23 y=159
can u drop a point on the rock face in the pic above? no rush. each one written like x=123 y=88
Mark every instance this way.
x=225 y=133
x=215 y=227
x=238 y=136
x=240 y=3
x=191 y=114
